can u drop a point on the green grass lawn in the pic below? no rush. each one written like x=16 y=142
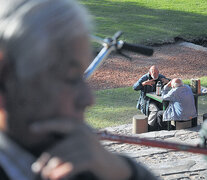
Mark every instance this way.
x=113 y=107
x=117 y=106
x=149 y=21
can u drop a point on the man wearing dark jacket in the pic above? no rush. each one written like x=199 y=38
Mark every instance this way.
x=147 y=83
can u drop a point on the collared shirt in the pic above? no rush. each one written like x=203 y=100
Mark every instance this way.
x=181 y=103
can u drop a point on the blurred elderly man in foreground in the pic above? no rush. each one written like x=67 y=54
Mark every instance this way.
x=181 y=102
x=44 y=51
x=147 y=83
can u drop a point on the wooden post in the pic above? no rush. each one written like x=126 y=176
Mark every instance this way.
x=183 y=124
x=196 y=88
x=140 y=124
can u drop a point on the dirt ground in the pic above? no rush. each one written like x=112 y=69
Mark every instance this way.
x=173 y=60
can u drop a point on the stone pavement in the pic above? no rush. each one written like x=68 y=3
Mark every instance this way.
x=166 y=164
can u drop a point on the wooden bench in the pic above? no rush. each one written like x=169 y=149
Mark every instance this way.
x=140 y=124
x=177 y=125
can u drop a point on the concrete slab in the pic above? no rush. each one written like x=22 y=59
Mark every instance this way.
x=165 y=163
x=193 y=46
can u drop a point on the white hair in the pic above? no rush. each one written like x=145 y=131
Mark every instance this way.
x=178 y=84
x=32 y=31
x=38 y=38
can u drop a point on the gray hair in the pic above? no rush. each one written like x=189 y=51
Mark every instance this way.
x=33 y=31
x=177 y=83
x=38 y=39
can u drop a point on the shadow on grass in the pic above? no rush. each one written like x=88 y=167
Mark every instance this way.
x=145 y=25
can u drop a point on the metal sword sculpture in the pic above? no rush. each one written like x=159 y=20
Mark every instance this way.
x=113 y=44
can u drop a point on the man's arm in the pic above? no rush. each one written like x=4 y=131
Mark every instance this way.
x=168 y=94
x=143 y=81
x=164 y=79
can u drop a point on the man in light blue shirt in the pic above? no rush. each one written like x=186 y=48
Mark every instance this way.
x=181 y=102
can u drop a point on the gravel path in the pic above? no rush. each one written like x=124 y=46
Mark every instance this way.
x=164 y=163
x=173 y=60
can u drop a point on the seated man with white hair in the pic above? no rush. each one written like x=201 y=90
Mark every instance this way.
x=181 y=102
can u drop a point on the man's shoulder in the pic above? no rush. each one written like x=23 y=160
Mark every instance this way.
x=189 y=89
x=186 y=88
x=145 y=76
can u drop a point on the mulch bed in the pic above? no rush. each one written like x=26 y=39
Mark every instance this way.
x=173 y=60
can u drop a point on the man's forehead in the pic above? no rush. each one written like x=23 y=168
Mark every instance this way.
x=154 y=69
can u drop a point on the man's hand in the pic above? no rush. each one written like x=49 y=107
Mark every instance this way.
x=164 y=81
x=79 y=152
x=148 y=82
x=169 y=84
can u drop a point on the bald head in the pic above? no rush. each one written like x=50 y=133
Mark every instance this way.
x=176 y=82
x=154 y=72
